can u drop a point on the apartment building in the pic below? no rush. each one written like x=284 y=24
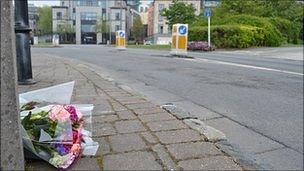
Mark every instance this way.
x=33 y=17
x=143 y=10
x=83 y=15
x=59 y=17
x=150 y=20
x=161 y=31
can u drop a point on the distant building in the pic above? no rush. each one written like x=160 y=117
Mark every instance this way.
x=133 y=4
x=83 y=15
x=161 y=31
x=33 y=18
x=59 y=17
x=150 y=20
x=143 y=10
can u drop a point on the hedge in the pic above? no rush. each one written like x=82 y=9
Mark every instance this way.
x=272 y=35
x=289 y=30
x=230 y=36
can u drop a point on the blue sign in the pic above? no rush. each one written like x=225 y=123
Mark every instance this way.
x=207 y=12
x=182 y=29
x=122 y=34
x=211 y=3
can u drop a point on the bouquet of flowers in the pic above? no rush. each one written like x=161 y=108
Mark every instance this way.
x=56 y=132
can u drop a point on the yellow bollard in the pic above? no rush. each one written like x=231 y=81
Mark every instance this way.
x=120 y=40
x=179 y=39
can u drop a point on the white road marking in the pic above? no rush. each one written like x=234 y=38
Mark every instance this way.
x=245 y=66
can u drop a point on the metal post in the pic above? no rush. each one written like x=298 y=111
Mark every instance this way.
x=209 y=42
x=120 y=14
x=109 y=21
x=23 y=51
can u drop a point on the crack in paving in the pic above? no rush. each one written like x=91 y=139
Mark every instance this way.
x=274 y=149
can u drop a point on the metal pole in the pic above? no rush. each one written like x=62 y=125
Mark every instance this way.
x=120 y=14
x=209 y=42
x=23 y=50
x=109 y=22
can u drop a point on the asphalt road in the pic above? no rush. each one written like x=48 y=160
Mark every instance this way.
x=254 y=96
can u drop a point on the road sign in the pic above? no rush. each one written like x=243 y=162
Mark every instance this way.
x=122 y=34
x=207 y=12
x=179 y=39
x=211 y=3
x=120 y=40
x=182 y=29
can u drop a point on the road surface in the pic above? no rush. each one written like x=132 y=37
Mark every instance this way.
x=254 y=96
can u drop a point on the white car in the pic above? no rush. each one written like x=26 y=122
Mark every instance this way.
x=148 y=43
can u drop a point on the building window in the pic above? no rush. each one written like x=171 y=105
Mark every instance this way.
x=74 y=22
x=104 y=17
x=62 y=3
x=117 y=27
x=161 y=7
x=160 y=18
x=89 y=3
x=146 y=9
x=58 y=15
x=87 y=28
x=74 y=10
x=88 y=16
x=117 y=16
x=160 y=29
x=141 y=9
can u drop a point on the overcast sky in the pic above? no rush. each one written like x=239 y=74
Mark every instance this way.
x=44 y=2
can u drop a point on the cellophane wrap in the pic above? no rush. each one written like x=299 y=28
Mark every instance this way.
x=53 y=129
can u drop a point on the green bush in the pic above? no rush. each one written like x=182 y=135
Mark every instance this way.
x=230 y=36
x=288 y=29
x=272 y=36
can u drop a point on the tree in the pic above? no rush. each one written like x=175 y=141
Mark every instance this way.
x=291 y=10
x=287 y=9
x=101 y=26
x=179 y=12
x=228 y=7
x=65 y=29
x=138 y=29
x=45 y=20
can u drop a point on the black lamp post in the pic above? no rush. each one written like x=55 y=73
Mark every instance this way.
x=23 y=49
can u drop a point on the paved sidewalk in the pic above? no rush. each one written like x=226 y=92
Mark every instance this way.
x=133 y=133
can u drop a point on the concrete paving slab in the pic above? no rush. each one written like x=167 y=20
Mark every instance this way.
x=178 y=136
x=193 y=150
x=126 y=142
x=129 y=126
x=131 y=161
x=210 y=163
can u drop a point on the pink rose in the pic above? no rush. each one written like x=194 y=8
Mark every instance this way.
x=58 y=112
x=76 y=149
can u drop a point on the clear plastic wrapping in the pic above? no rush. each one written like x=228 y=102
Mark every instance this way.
x=53 y=129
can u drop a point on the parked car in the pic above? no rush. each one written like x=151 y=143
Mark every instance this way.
x=148 y=43
x=200 y=45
